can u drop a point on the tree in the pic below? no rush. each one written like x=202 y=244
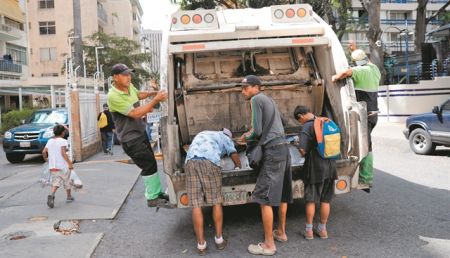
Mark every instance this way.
x=372 y=7
x=116 y=50
x=422 y=21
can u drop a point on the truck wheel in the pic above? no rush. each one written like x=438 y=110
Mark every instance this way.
x=15 y=157
x=420 y=142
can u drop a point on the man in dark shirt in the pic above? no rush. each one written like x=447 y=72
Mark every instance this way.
x=274 y=183
x=319 y=178
x=107 y=131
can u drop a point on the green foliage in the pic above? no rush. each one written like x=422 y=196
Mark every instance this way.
x=116 y=50
x=14 y=118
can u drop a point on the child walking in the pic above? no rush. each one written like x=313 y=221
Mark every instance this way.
x=59 y=164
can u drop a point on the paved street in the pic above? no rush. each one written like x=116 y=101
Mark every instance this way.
x=406 y=215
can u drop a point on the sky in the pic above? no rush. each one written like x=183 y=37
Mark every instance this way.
x=156 y=13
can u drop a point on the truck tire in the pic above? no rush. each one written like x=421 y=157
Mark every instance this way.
x=15 y=157
x=420 y=142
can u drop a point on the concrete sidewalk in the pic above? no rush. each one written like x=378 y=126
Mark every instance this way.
x=24 y=214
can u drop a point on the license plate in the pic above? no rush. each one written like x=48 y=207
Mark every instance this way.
x=25 y=144
x=235 y=198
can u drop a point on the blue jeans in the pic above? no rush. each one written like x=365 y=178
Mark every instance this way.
x=107 y=141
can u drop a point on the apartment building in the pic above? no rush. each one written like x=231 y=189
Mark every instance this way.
x=397 y=18
x=50 y=24
x=13 y=53
x=151 y=40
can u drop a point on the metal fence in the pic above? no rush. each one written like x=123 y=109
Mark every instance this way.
x=88 y=118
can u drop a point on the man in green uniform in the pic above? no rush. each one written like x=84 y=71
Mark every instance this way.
x=366 y=79
x=123 y=102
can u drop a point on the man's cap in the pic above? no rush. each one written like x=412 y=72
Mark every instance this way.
x=227 y=132
x=105 y=105
x=358 y=55
x=251 y=80
x=121 y=69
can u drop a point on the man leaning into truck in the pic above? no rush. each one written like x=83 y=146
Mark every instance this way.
x=274 y=183
x=204 y=180
x=123 y=102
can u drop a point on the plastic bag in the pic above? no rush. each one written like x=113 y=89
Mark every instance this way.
x=75 y=180
x=46 y=176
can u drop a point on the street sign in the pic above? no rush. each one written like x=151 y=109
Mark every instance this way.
x=153 y=117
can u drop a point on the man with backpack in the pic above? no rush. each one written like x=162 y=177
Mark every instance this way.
x=106 y=125
x=274 y=183
x=320 y=174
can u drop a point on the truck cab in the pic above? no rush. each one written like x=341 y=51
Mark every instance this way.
x=206 y=54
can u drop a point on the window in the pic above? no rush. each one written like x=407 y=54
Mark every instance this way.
x=48 y=54
x=47 y=27
x=446 y=107
x=49 y=75
x=18 y=53
x=46 y=4
x=13 y=23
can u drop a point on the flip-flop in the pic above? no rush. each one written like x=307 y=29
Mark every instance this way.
x=259 y=250
x=277 y=237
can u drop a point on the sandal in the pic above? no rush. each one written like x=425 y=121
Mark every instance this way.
x=277 y=237
x=260 y=250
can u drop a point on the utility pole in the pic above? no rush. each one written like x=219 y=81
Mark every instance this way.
x=78 y=41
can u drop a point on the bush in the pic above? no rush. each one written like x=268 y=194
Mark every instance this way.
x=14 y=118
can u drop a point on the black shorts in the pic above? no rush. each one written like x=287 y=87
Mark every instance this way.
x=321 y=192
x=142 y=155
x=274 y=182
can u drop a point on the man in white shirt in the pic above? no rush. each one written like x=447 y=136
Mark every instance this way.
x=59 y=164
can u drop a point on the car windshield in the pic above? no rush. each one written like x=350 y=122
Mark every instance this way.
x=48 y=117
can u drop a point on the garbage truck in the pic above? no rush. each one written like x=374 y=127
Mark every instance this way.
x=205 y=54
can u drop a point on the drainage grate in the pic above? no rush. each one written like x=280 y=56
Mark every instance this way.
x=18 y=235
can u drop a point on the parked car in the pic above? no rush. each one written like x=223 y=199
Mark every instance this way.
x=426 y=131
x=32 y=136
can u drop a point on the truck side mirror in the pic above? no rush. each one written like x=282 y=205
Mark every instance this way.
x=435 y=110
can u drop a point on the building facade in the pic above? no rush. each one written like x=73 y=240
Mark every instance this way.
x=397 y=18
x=13 y=53
x=51 y=23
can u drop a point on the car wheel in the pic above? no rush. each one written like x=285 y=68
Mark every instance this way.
x=15 y=157
x=420 y=142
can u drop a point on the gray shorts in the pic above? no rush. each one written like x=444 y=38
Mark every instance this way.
x=274 y=182
x=321 y=192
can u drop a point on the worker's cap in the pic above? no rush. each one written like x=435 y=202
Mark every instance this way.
x=251 y=80
x=227 y=132
x=360 y=57
x=105 y=105
x=121 y=69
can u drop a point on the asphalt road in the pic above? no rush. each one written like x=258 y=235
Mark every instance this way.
x=406 y=215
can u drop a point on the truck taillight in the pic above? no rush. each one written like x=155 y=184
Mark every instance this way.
x=198 y=19
x=291 y=13
x=184 y=199
x=185 y=19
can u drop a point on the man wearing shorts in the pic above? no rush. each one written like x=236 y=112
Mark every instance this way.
x=320 y=174
x=274 y=183
x=204 y=180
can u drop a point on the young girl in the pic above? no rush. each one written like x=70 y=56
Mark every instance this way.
x=59 y=164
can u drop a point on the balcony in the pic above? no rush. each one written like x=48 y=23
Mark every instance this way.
x=8 y=33
x=10 y=67
x=102 y=16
